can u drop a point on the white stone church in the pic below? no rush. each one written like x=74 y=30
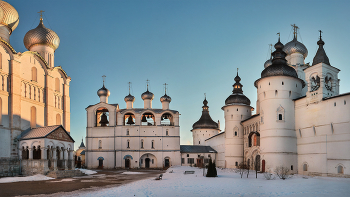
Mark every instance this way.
x=34 y=102
x=301 y=120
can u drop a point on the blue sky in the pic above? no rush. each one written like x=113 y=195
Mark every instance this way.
x=194 y=46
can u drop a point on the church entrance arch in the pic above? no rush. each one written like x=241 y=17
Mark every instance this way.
x=167 y=162
x=100 y=162
x=127 y=163
x=257 y=163
x=148 y=160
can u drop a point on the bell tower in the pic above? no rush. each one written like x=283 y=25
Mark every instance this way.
x=321 y=77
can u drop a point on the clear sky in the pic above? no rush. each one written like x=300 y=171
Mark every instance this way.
x=194 y=46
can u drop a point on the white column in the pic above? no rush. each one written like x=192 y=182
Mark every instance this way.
x=53 y=153
x=20 y=153
x=30 y=153
x=43 y=153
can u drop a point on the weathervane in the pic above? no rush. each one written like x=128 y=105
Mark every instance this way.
x=41 y=14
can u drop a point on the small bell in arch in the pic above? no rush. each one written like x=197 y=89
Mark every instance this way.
x=104 y=120
x=130 y=120
x=144 y=118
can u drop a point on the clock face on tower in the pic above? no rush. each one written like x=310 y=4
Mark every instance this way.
x=328 y=83
x=315 y=83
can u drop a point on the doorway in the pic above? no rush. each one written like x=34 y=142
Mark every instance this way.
x=263 y=165
x=100 y=163
x=199 y=163
x=127 y=163
x=167 y=163
x=147 y=162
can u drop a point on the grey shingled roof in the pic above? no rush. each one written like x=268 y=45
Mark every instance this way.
x=40 y=132
x=82 y=152
x=196 y=149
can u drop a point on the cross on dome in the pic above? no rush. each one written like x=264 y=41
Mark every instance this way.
x=41 y=14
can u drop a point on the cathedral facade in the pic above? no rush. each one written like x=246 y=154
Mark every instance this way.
x=302 y=121
x=132 y=137
x=34 y=101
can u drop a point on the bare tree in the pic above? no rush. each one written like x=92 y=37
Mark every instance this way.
x=242 y=168
x=257 y=166
x=282 y=172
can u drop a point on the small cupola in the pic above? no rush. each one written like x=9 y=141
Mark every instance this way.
x=237 y=96
x=205 y=121
x=147 y=98
x=103 y=93
x=9 y=20
x=321 y=56
x=129 y=100
x=165 y=99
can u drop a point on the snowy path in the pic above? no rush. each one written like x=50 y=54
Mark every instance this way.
x=227 y=184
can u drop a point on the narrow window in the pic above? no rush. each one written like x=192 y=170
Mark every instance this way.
x=188 y=155
x=167 y=132
x=231 y=116
x=269 y=83
x=100 y=144
x=276 y=93
x=280 y=117
x=199 y=156
x=290 y=93
x=335 y=104
x=236 y=163
x=141 y=143
x=57 y=84
x=128 y=144
x=235 y=133
x=291 y=167
x=152 y=161
x=127 y=132
x=264 y=94
x=282 y=83
x=199 y=142
x=182 y=160
x=344 y=102
x=209 y=156
x=152 y=143
x=237 y=109
x=33 y=117
x=58 y=119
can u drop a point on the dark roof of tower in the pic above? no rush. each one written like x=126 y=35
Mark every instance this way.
x=196 y=149
x=237 y=96
x=205 y=121
x=82 y=145
x=321 y=56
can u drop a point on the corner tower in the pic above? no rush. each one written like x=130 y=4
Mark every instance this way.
x=205 y=127
x=237 y=108
x=278 y=86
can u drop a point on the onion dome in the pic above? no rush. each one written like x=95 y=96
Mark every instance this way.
x=237 y=96
x=9 y=16
x=103 y=91
x=320 y=56
x=147 y=95
x=295 y=46
x=165 y=98
x=279 y=65
x=41 y=36
x=268 y=63
x=205 y=121
x=129 y=98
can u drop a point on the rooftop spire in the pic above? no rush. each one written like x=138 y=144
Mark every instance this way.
x=129 y=86
x=147 y=81
x=321 y=56
x=103 y=78
x=165 y=84
x=237 y=87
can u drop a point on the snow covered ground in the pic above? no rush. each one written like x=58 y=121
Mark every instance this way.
x=228 y=183
x=38 y=177
x=86 y=171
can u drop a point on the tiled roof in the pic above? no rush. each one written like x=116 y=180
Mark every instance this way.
x=196 y=149
x=40 y=132
x=82 y=152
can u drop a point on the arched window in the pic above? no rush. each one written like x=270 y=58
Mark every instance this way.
x=129 y=119
x=305 y=167
x=58 y=119
x=199 y=142
x=33 y=117
x=276 y=93
x=57 y=84
x=128 y=144
x=280 y=117
x=255 y=140
x=102 y=117
x=141 y=143
x=36 y=152
x=100 y=144
x=235 y=133
x=34 y=74
x=280 y=114
x=152 y=143
x=148 y=119
x=340 y=169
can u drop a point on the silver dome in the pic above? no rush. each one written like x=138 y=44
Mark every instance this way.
x=129 y=98
x=295 y=46
x=103 y=91
x=147 y=95
x=268 y=63
x=165 y=98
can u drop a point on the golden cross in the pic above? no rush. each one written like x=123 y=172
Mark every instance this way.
x=295 y=30
x=41 y=14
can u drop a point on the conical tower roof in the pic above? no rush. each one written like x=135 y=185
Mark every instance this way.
x=321 y=56
x=205 y=121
